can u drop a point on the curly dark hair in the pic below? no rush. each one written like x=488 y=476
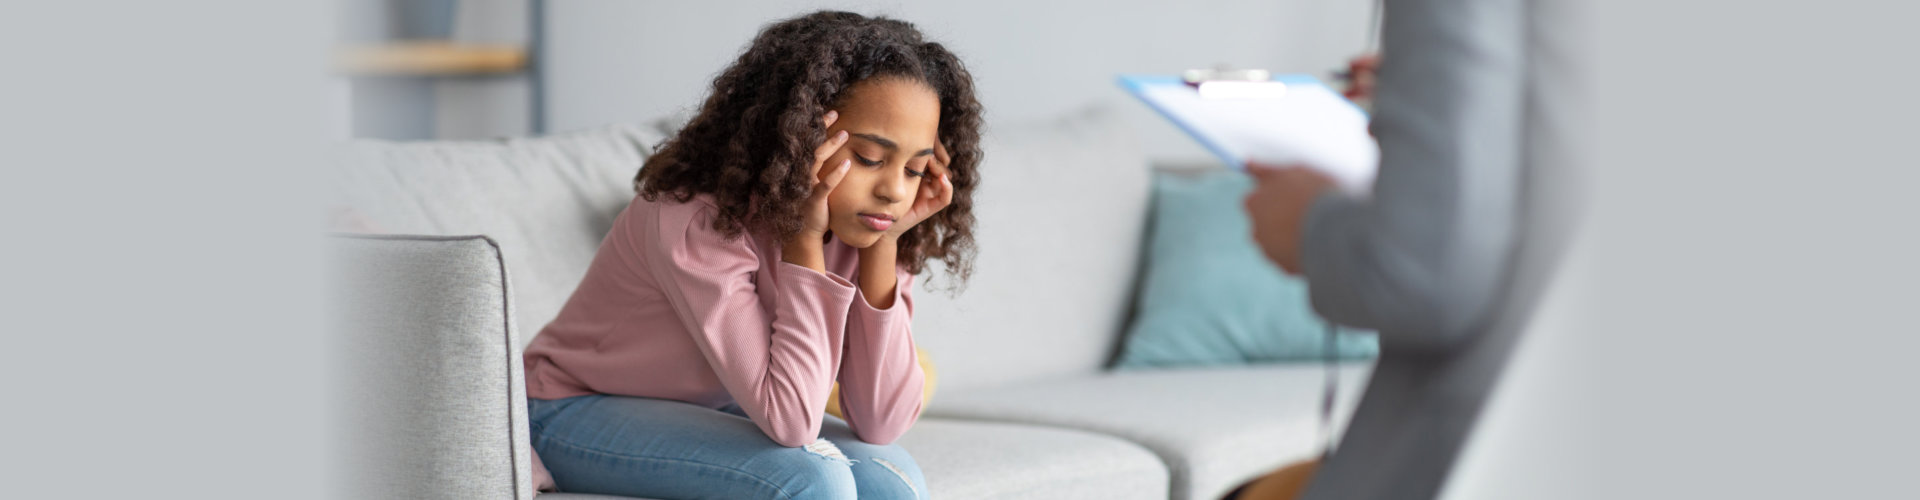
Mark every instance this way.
x=751 y=145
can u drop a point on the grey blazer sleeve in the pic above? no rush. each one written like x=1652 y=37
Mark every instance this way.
x=1423 y=259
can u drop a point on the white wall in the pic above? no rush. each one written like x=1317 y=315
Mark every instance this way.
x=622 y=61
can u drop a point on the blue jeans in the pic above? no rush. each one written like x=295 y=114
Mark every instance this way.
x=657 y=448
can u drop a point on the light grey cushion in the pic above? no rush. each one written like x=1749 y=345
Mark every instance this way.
x=549 y=201
x=963 y=459
x=426 y=370
x=1062 y=209
x=1214 y=428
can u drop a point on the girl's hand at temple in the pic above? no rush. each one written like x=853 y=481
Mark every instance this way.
x=803 y=249
x=936 y=192
x=824 y=182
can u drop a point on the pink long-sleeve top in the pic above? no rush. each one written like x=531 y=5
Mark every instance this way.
x=671 y=309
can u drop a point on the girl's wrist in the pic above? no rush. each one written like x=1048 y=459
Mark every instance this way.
x=877 y=280
x=804 y=251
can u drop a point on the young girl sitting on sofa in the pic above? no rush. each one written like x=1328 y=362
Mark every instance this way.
x=770 y=252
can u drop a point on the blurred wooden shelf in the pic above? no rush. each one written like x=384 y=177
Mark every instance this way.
x=429 y=58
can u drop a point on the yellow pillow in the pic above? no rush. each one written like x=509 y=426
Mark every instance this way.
x=926 y=395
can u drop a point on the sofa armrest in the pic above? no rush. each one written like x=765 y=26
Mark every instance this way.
x=429 y=398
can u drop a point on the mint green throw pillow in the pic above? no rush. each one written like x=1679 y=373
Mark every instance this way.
x=1210 y=298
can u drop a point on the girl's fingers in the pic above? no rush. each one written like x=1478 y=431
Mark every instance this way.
x=827 y=149
x=946 y=190
x=832 y=143
x=941 y=160
x=937 y=196
x=833 y=179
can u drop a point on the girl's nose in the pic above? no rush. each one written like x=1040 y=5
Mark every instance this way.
x=894 y=188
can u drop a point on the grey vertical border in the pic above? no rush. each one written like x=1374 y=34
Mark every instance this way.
x=537 y=66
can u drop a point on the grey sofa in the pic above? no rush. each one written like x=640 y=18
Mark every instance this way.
x=430 y=318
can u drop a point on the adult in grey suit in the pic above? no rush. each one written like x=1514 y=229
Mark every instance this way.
x=1476 y=105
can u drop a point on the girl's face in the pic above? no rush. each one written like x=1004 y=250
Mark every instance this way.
x=892 y=126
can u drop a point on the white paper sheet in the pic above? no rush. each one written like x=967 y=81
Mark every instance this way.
x=1307 y=124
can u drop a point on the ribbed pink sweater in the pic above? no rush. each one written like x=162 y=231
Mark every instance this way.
x=670 y=309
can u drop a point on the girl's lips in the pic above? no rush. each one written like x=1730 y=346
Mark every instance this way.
x=876 y=222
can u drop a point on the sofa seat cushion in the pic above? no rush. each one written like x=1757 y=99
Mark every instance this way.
x=971 y=459
x=1213 y=428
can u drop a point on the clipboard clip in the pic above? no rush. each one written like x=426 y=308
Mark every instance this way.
x=1234 y=83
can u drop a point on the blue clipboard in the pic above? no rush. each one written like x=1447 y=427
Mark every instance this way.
x=1309 y=124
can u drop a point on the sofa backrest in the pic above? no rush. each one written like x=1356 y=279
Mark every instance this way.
x=1061 y=209
x=548 y=201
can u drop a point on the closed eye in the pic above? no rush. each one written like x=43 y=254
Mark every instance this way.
x=864 y=161
x=916 y=173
